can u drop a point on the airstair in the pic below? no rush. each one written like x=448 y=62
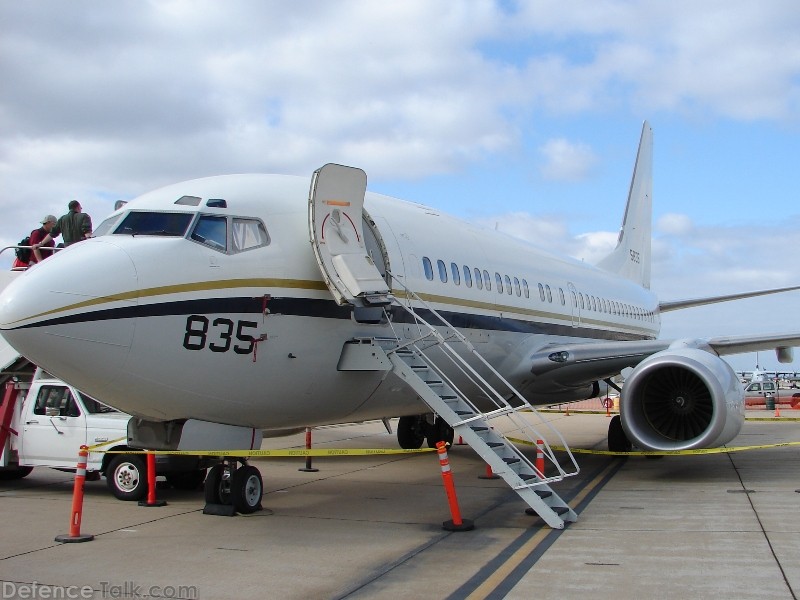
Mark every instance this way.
x=429 y=356
x=489 y=432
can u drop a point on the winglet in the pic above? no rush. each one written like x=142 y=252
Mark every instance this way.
x=631 y=257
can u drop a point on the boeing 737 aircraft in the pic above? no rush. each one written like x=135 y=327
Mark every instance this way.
x=216 y=308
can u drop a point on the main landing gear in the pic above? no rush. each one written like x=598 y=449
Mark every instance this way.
x=617 y=440
x=232 y=487
x=413 y=430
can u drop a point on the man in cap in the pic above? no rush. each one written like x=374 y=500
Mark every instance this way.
x=42 y=239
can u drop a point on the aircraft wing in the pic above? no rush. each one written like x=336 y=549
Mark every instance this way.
x=688 y=303
x=565 y=364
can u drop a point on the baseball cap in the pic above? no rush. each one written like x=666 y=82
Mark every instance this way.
x=49 y=219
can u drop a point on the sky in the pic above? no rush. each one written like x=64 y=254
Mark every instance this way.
x=521 y=116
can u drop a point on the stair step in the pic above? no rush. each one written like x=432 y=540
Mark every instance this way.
x=559 y=510
x=462 y=413
x=495 y=444
x=510 y=461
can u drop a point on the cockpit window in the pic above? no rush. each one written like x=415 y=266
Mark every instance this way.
x=212 y=231
x=154 y=223
x=105 y=226
x=248 y=234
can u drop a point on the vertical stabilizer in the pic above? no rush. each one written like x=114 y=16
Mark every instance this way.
x=631 y=257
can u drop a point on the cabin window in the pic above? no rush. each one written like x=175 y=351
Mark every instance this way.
x=212 y=232
x=428 y=268
x=574 y=299
x=487 y=281
x=155 y=223
x=594 y=303
x=467 y=276
x=549 y=293
x=456 y=273
x=499 y=281
x=478 y=282
x=509 y=291
x=442 y=270
x=561 y=294
x=541 y=291
x=580 y=299
x=248 y=234
x=525 y=289
x=516 y=287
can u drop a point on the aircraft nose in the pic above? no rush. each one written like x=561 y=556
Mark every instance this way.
x=72 y=312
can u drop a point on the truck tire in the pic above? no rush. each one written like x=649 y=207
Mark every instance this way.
x=12 y=473
x=126 y=476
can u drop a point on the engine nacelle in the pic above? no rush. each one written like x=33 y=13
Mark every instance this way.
x=682 y=399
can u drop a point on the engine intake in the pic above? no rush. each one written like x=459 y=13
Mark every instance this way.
x=682 y=399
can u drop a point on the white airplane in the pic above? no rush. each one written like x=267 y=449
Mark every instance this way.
x=222 y=306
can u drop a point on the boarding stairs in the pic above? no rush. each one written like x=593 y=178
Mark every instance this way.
x=349 y=263
x=418 y=362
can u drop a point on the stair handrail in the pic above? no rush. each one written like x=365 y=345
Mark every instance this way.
x=523 y=425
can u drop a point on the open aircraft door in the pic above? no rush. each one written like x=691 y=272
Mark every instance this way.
x=335 y=208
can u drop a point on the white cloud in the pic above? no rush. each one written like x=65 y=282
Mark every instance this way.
x=566 y=161
x=674 y=224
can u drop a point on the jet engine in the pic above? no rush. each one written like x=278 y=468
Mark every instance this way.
x=682 y=399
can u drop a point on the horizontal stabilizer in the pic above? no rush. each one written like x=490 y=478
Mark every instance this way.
x=689 y=303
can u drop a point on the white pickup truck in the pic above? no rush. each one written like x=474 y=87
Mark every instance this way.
x=50 y=420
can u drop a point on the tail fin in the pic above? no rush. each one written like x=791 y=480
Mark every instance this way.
x=631 y=257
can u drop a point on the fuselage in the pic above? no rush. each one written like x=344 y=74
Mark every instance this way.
x=187 y=307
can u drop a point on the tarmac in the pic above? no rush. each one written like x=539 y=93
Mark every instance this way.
x=696 y=526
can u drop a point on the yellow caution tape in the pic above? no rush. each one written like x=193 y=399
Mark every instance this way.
x=722 y=450
x=274 y=453
x=101 y=444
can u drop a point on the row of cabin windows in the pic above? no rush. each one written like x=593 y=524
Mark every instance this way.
x=482 y=280
x=611 y=307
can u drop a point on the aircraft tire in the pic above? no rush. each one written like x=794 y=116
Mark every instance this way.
x=409 y=434
x=440 y=431
x=247 y=488
x=11 y=473
x=216 y=488
x=126 y=477
x=617 y=440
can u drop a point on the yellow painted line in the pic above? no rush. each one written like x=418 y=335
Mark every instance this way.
x=503 y=571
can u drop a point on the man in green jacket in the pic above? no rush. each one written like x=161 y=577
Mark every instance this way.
x=75 y=226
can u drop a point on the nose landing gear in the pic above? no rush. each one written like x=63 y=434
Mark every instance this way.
x=232 y=488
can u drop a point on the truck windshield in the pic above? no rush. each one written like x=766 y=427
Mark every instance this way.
x=94 y=407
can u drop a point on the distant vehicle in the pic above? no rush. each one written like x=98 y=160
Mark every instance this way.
x=757 y=391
